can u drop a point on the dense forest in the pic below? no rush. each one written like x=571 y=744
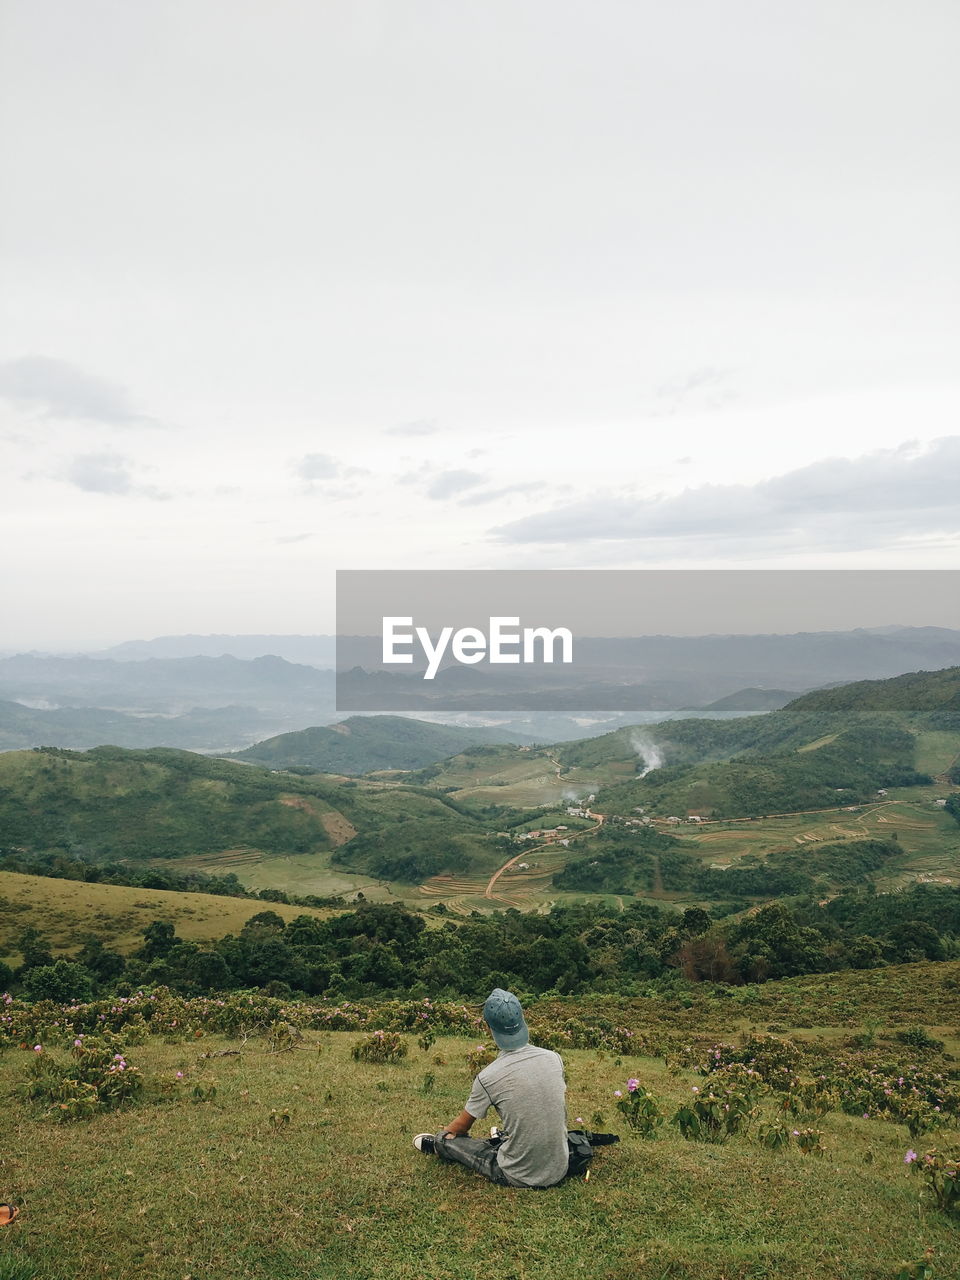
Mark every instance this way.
x=377 y=950
x=640 y=859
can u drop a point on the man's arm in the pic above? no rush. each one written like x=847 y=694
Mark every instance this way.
x=457 y=1128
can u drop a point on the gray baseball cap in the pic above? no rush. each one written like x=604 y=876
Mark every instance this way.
x=504 y=1017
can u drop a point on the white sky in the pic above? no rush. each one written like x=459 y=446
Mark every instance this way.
x=324 y=284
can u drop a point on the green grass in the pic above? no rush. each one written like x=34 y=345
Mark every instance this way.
x=936 y=750
x=176 y=1189
x=66 y=910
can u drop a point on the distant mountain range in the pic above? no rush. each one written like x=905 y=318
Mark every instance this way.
x=311 y=651
x=646 y=673
x=232 y=694
x=202 y=729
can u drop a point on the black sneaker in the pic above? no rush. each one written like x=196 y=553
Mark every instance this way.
x=425 y=1142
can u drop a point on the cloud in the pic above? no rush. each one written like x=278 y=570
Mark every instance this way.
x=106 y=473
x=494 y=495
x=693 y=392
x=57 y=389
x=422 y=427
x=853 y=501
x=318 y=466
x=449 y=483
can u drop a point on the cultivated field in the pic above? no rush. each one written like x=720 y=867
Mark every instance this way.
x=930 y=839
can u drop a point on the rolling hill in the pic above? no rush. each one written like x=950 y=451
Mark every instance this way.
x=832 y=746
x=113 y=804
x=65 y=910
x=364 y=744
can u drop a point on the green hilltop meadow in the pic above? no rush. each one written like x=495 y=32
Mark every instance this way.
x=251 y=1136
x=236 y=991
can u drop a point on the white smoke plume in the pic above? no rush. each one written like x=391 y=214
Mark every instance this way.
x=648 y=751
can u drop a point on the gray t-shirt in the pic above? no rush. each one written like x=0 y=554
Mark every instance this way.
x=527 y=1088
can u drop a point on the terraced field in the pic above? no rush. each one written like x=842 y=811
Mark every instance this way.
x=930 y=839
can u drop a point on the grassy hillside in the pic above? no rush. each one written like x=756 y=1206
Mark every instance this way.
x=833 y=746
x=277 y=1158
x=115 y=804
x=66 y=910
x=916 y=691
x=847 y=767
x=363 y=744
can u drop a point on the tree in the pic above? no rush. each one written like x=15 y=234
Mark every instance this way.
x=195 y=970
x=706 y=959
x=103 y=964
x=159 y=938
x=695 y=921
x=916 y=940
x=865 y=952
x=35 y=949
x=264 y=923
x=64 y=982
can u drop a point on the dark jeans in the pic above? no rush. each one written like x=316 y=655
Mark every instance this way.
x=480 y=1154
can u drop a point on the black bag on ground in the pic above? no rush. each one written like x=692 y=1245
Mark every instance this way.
x=580 y=1153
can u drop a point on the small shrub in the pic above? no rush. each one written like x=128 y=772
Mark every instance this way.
x=773 y=1136
x=809 y=1141
x=381 y=1046
x=480 y=1057
x=920 y=1118
x=809 y=1097
x=919 y=1038
x=98 y=1078
x=284 y=1037
x=920 y=1270
x=716 y=1112
x=940 y=1171
x=640 y=1110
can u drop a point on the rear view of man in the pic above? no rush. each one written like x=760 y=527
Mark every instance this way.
x=525 y=1085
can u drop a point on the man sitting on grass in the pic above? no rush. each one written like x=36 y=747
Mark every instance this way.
x=525 y=1085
